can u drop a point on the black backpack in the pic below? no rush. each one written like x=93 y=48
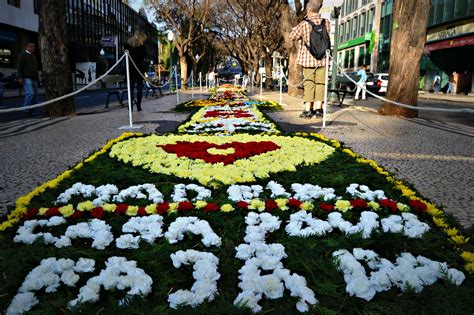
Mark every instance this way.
x=319 y=40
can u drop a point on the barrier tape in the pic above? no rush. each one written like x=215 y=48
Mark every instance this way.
x=23 y=108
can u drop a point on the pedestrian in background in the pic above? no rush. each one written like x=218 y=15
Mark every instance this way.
x=27 y=73
x=314 y=70
x=138 y=54
x=437 y=83
x=451 y=83
x=212 y=79
x=361 y=84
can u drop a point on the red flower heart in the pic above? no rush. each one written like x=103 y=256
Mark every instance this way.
x=198 y=150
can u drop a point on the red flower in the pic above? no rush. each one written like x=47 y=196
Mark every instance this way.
x=418 y=205
x=242 y=205
x=162 y=208
x=121 y=208
x=358 y=203
x=142 y=211
x=326 y=207
x=270 y=205
x=392 y=205
x=76 y=214
x=211 y=207
x=184 y=206
x=53 y=211
x=97 y=213
x=294 y=203
x=31 y=213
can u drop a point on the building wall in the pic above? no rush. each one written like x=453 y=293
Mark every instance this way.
x=356 y=24
x=23 y=17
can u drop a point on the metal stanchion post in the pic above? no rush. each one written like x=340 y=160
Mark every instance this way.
x=192 y=85
x=326 y=89
x=129 y=90
x=176 y=82
x=281 y=88
x=200 y=82
x=261 y=84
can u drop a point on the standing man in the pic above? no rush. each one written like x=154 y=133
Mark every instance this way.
x=314 y=70
x=361 y=83
x=136 y=48
x=27 y=73
x=212 y=79
x=437 y=83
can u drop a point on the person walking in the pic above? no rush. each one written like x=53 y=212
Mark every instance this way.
x=212 y=79
x=27 y=73
x=138 y=54
x=437 y=83
x=451 y=83
x=361 y=84
x=314 y=70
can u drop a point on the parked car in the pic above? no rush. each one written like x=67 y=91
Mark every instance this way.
x=381 y=82
x=344 y=83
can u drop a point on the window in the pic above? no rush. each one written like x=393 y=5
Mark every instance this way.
x=355 y=27
x=36 y=6
x=351 y=58
x=15 y=3
x=460 y=9
x=360 y=60
x=362 y=24
x=371 y=20
x=5 y=57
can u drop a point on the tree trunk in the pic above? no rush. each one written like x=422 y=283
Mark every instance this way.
x=268 y=72
x=184 y=72
x=407 y=43
x=53 y=41
x=295 y=73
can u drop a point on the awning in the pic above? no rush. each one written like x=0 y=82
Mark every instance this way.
x=450 y=43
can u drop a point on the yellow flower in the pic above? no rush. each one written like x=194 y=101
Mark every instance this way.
x=85 y=206
x=67 y=210
x=173 y=207
x=151 y=209
x=440 y=222
x=374 y=205
x=109 y=207
x=227 y=208
x=469 y=267
x=403 y=207
x=343 y=205
x=459 y=239
x=282 y=202
x=307 y=206
x=257 y=204
x=468 y=256
x=451 y=232
x=132 y=211
x=200 y=204
x=42 y=211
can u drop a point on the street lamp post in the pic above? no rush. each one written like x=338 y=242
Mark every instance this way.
x=170 y=39
x=336 y=12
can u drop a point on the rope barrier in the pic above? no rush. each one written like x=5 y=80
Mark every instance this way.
x=434 y=109
x=145 y=78
x=17 y=109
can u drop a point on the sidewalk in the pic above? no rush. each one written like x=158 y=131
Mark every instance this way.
x=459 y=98
x=438 y=161
x=437 y=158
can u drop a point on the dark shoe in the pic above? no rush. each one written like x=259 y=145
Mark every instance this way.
x=139 y=109
x=306 y=114
x=318 y=112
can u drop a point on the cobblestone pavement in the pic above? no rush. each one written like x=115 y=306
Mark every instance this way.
x=35 y=150
x=436 y=157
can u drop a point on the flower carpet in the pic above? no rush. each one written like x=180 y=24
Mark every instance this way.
x=230 y=215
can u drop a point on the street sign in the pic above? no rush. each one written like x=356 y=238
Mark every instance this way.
x=107 y=41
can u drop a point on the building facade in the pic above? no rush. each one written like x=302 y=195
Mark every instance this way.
x=88 y=21
x=358 y=34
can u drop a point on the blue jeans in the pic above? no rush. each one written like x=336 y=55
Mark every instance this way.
x=31 y=92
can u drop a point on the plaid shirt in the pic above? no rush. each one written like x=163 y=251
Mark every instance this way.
x=301 y=33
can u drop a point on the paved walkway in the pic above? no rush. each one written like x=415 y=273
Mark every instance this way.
x=438 y=161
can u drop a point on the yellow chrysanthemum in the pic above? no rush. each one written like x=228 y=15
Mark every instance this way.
x=132 y=211
x=469 y=267
x=42 y=211
x=227 y=208
x=374 y=205
x=468 y=256
x=109 y=207
x=343 y=205
x=257 y=204
x=67 y=210
x=200 y=204
x=85 y=206
x=307 y=206
x=282 y=203
x=403 y=207
x=451 y=232
x=173 y=207
x=151 y=209
x=440 y=222
x=459 y=239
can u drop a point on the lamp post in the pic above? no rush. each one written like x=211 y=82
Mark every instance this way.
x=102 y=54
x=170 y=39
x=336 y=12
